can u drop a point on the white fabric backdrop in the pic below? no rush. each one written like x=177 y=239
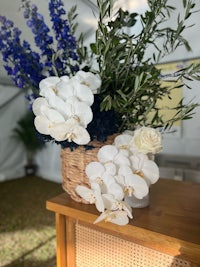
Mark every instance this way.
x=49 y=163
x=12 y=153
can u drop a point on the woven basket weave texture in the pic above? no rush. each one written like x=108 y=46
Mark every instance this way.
x=74 y=164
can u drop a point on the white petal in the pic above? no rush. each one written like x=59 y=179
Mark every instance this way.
x=59 y=131
x=139 y=185
x=81 y=136
x=107 y=179
x=138 y=160
x=124 y=152
x=116 y=190
x=49 y=81
x=83 y=112
x=107 y=153
x=151 y=171
x=128 y=209
x=84 y=93
x=70 y=131
x=108 y=200
x=120 y=179
x=58 y=104
x=125 y=170
x=37 y=104
x=91 y=80
x=85 y=193
x=65 y=89
x=48 y=86
x=64 y=78
x=53 y=115
x=94 y=170
x=119 y=217
x=110 y=168
x=101 y=217
x=42 y=124
x=121 y=159
x=74 y=88
x=122 y=141
x=99 y=201
x=95 y=187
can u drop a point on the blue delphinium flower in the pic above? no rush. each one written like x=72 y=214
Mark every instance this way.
x=21 y=63
x=43 y=40
x=26 y=67
x=67 y=59
x=58 y=56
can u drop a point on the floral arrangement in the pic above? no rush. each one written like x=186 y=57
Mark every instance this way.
x=64 y=109
x=130 y=83
x=75 y=103
x=60 y=55
x=123 y=171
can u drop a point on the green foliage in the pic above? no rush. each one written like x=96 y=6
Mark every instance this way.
x=131 y=83
x=25 y=132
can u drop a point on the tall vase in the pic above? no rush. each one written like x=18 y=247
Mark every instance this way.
x=138 y=203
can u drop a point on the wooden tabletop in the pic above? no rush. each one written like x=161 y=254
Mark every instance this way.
x=171 y=223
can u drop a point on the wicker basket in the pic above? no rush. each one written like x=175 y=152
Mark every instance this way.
x=73 y=166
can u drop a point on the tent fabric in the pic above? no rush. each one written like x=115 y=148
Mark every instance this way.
x=49 y=162
x=13 y=106
x=12 y=153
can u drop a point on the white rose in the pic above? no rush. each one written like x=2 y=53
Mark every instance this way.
x=147 y=140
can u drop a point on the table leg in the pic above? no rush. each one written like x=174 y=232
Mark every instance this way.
x=70 y=241
x=61 y=250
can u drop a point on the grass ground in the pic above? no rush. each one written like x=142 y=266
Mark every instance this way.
x=27 y=229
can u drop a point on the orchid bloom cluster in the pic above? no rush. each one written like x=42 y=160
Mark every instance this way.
x=63 y=109
x=123 y=170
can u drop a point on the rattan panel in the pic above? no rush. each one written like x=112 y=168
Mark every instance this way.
x=96 y=249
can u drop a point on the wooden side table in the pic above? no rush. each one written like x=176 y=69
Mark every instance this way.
x=167 y=233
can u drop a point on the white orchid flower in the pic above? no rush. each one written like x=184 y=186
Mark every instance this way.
x=94 y=171
x=111 y=203
x=144 y=167
x=47 y=119
x=110 y=167
x=48 y=86
x=70 y=130
x=93 y=195
x=38 y=104
x=49 y=90
x=57 y=90
x=118 y=217
x=110 y=186
x=58 y=104
x=121 y=159
x=51 y=101
x=122 y=142
x=79 y=111
x=64 y=78
x=89 y=79
x=109 y=153
x=132 y=183
x=74 y=87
